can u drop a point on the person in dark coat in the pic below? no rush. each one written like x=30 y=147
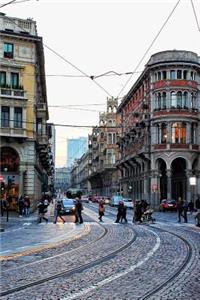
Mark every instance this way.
x=191 y=206
x=41 y=211
x=180 y=209
x=137 y=212
x=119 y=211
x=21 y=206
x=101 y=210
x=58 y=212
x=27 y=205
x=185 y=210
x=79 y=208
x=123 y=216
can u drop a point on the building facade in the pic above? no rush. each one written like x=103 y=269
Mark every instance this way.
x=26 y=161
x=160 y=139
x=76 y=147
x=62 y=179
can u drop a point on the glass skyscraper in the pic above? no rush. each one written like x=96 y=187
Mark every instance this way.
x=76 y=147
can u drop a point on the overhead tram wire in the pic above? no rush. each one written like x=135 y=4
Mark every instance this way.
x=195 y=15
x=157 y=35
x=67 y=61
x=8 y=3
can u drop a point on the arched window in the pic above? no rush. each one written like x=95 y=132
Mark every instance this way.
x=185 y=74
x=164 y=75
x=109 y=138
x=172 y=74
x=164 y=100
x=179 y=99
x=155 y=76
x=159 y=75
x=163 y=133
x=191 y=75
x=179 y=74
x=193 y=100
x=173 y=99
x=102 y=135
x=179 y=133
x=159 y=100
x=185 y=100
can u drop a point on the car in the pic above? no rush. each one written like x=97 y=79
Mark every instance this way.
x=168 y=205
x=68 y=207
x=85 y=199
x=115 y=200
x=128 y=202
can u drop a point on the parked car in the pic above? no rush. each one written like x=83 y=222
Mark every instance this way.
x=68 y=206
x=115 y=200
x=128 y=202
x=168 y=205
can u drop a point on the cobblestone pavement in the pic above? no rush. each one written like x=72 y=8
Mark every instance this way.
x=158 y=261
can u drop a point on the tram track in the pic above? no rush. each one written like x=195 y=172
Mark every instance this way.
x=70 y=272
x=181 y=268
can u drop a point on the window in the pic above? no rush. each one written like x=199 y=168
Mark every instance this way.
x=2 y=79
x=18 y=117
x=5 y=116
x=14 y=80
x=39 y=126
x=172 y=74
x=179 y=99
x=109 y=138
x=164 y=75
x=159 y=101
x=173 y=99
x=159 y=75
x=185 y=100
x=8 y=50
x=163 y=133
x=179 y=133
x=193 y=133
x=164 y=102
x=179 y=74
x=191 y=75
x=185 y=74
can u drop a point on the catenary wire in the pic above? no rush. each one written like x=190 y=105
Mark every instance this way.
x=195 y=15
x=8 y=3
x=67 y=61
x=144 y=55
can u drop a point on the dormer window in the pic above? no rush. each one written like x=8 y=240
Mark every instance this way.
x=8 y=50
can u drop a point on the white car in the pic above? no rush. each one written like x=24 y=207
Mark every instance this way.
x=128 y=202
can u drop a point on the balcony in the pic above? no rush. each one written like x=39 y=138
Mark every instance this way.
x=42 y=140
x=10 y=93
x=13 y=132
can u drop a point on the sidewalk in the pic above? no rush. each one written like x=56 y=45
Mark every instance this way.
x=16 y=221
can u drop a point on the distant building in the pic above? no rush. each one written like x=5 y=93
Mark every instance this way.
x=76 y=147
x=62 y=179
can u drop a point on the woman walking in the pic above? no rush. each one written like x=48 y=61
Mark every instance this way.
x=101 y=210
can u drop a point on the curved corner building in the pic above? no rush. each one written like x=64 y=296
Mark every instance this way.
x=160 y=138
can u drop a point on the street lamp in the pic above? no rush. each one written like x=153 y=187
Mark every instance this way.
x=193 y=182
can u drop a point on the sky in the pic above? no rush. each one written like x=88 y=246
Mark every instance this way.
x=95 y=37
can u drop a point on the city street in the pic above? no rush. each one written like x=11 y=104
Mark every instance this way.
x=97 y=260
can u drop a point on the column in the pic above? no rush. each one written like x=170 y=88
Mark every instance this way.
x=188 y=191
x=169 y=184
x=11 y=117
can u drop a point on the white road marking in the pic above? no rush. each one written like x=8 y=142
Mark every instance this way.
x=89 y=289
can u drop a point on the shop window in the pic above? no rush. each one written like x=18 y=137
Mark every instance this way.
x=8 y=50
x=179 y=74
x=18 y=117
x=3 y=79
x=5 y=116
x=172 y=74
x=179 y=133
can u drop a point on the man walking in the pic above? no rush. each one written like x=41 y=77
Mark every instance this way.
x=58 y=211
x=79 y=208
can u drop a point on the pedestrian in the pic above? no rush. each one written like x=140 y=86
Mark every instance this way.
x=185 y=210
x=137 y=212
x=144 y=205
x=123 y=216
x=27 y=205
x=197 y=217
x=21 y=206
x=191 y=206
x=119 y=211
x=101 y=210
x=79 y=208
x=4 y=206
x=180 y=209
x=58 y=211
x=42 y=210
